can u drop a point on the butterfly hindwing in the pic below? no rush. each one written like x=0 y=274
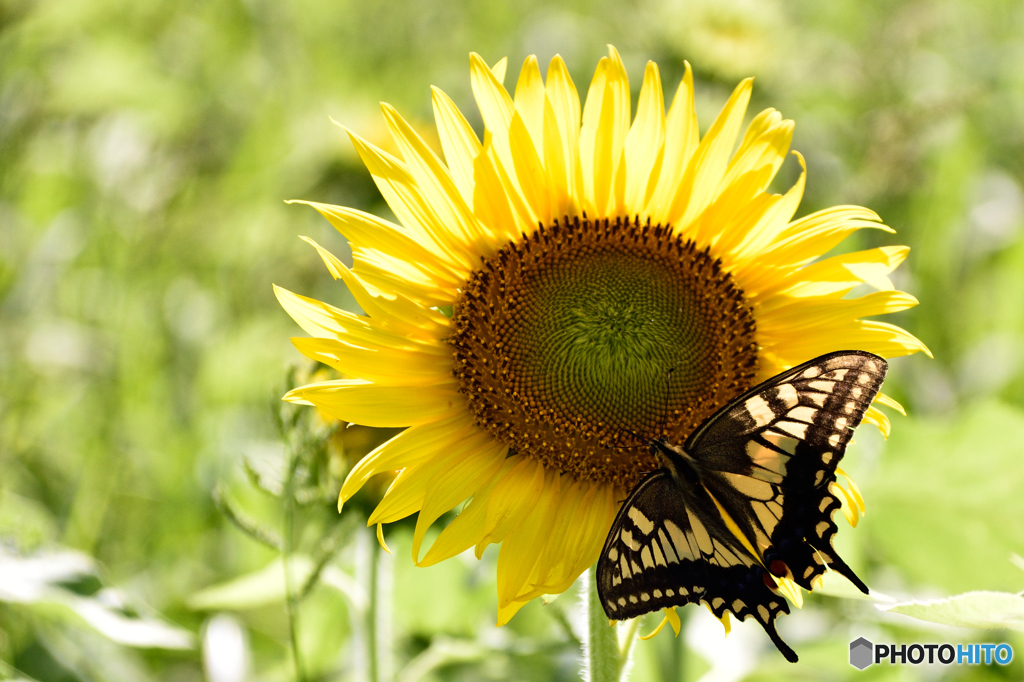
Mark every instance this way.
x=748 y=495
x=664 y=551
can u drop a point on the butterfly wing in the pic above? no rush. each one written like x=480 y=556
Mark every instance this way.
x=664 y=549
x=770 y=456
x=759 y=484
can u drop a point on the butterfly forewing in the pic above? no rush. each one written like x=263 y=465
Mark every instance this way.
x=766 y=462
x=818 y=403
x=770 y=456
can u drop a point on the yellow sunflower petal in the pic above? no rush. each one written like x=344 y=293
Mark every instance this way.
x=876 y=417
x=496 y=108
x=603 y=133
x=463 y=532
x=556 y=165
x=645 y=143
x=847 y=505
x=765 y=145
x=491 y=204
x=837 y=275
x=813 y=235
x=506 y=612
x=361 y=402
x=396 y=312
x=533 y=179
x=518 y=490
x=880 y=338
x=381 y=365
x=453 y=485
x=385 y=275
x=772 y=222
x=595 y=149
x=700 y=183
x=409 y=490
x=522 y=547
x=510 y=189
x=852 y=490
x=364 y=229
x=458 y=141
x=529 y=101
x=564 y=104
x=407 y=200
x=802 y=313
x=681 y=141
x=414 y=445
x=883 y=399
x=571 y=510
x=433 y=180
x=586 y=538
x=324 y=320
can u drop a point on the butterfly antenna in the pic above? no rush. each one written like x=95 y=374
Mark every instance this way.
x=667 y=411
x=643 y=441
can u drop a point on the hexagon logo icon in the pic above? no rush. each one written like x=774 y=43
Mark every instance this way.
x=862 y=653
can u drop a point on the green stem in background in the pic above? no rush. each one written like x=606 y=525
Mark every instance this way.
x=603 y=661
x=372 y=611
x=288 y=540
x=374 y=575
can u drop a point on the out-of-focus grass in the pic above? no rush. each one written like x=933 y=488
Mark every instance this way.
x=146 y=148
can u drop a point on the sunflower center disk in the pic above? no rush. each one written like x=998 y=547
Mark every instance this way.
x=572 y=340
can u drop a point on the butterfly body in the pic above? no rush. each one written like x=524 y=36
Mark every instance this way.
x=744 y=507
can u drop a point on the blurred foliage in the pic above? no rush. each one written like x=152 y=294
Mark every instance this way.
x=145 y=150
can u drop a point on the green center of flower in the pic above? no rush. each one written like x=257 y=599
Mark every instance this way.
x=574 y=339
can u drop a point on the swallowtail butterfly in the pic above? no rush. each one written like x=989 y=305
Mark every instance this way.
x=745 y=500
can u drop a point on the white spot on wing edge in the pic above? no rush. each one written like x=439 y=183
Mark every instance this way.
x=787 y=394
x=802 y=413
x=759 y=410
x=795 y=429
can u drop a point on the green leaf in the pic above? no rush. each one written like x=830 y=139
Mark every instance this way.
x=989 y=610
x=943 y=504
x=266 y=586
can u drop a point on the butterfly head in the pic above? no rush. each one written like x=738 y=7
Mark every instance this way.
x=675 y=459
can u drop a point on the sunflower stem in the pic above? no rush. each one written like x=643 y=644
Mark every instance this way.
x=287 y=546
x=603 y=662
x=375 y=577
x=626 y=649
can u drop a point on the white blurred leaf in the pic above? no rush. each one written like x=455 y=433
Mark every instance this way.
x=835 y=585
x=38 y=580
x=990 y=610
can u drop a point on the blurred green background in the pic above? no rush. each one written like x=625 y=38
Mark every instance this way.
x=146 y=148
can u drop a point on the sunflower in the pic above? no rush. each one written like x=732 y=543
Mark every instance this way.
x=571 y=285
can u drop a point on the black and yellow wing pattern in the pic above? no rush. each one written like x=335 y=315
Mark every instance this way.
x=745 y=504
